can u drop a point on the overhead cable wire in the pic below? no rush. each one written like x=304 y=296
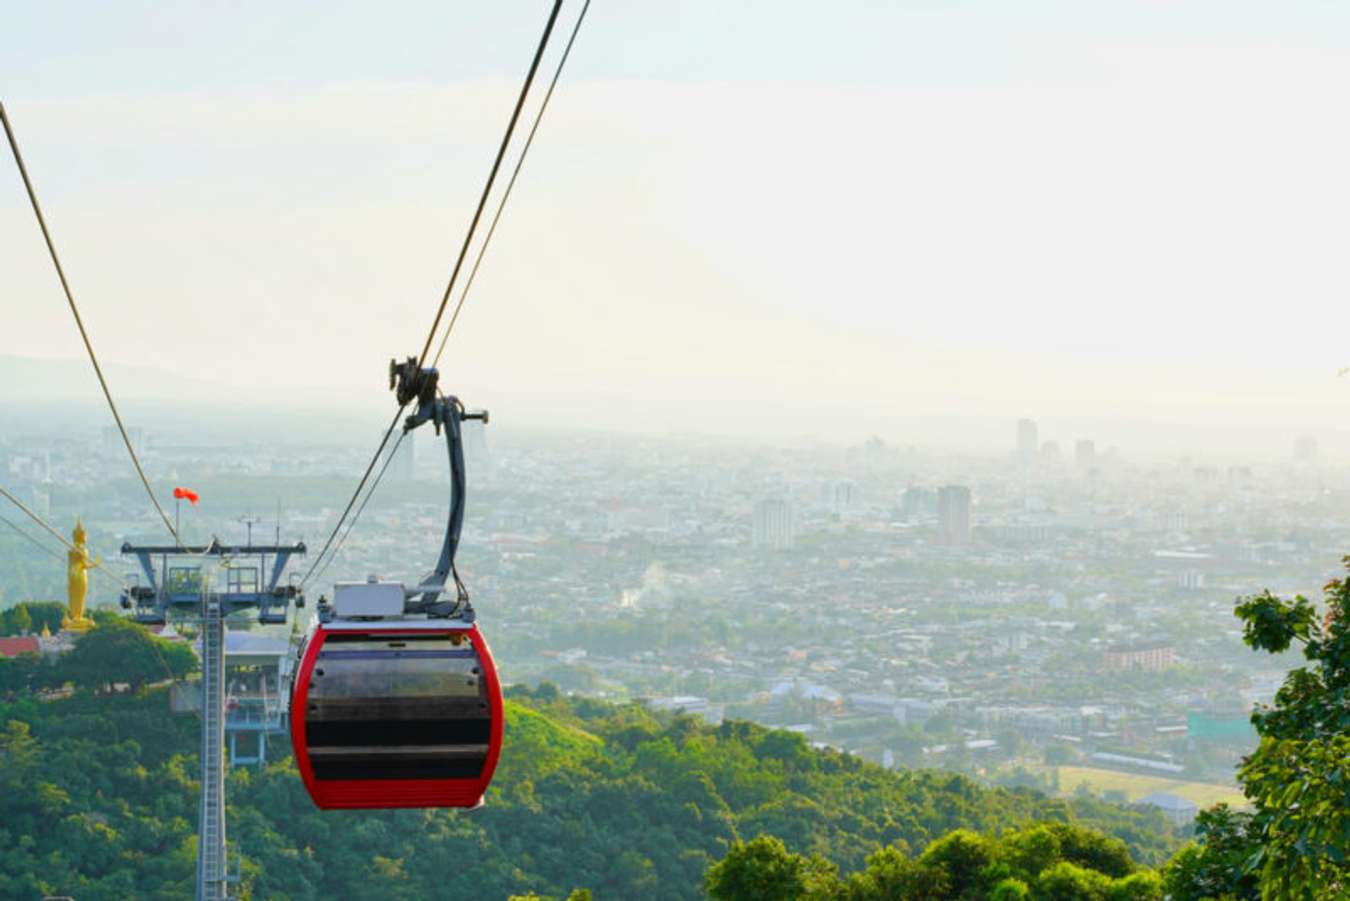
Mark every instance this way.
x=31 y=540
x=35 y=518
x=473 y=272
x=45 y=525
x=454 y=275
x=511 y=183
x=492 y=177
x=337 y=548
x=79 y=322
x=98 y=570
x=355 y=494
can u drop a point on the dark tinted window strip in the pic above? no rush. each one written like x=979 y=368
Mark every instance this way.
x=390 y=655
x=398 y=733
x=404 y=769
x=341 y=637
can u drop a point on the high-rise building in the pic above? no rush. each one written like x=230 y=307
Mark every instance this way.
x=1305 y=449
x=1085 y=452
x=112 y=443
x=1028 y=440
x=839 y=497
x=917 y=501
x=774 y=528
x=953 y=507
x=477 y=456
x=401 y=466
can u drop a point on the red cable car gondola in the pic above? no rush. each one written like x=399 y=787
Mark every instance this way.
x=395 y=700
x=399 y=713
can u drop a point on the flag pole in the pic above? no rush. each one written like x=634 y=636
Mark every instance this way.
x=177 y=506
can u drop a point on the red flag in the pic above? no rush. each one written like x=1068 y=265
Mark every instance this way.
x=186 y=494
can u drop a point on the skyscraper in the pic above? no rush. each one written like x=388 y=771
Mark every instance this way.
x=917 y=501
x=953 y=505
x=774 y=528
x=1305 y=449
x=477 y=456
x=401 y=467
x=1028 y=440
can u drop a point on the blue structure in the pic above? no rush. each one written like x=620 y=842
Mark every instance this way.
x=178 y=583
x=257 y=669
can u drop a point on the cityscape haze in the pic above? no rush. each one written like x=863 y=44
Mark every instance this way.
x=887 y=419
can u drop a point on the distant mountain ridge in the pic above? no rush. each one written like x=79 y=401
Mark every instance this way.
x=27 y=379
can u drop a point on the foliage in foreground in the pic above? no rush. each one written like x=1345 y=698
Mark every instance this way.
x=1045 y=861
x=1298 y=779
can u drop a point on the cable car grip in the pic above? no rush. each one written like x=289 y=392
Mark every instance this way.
x=410 y=384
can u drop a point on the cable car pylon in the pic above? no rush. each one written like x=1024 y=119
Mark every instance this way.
x=178 y=585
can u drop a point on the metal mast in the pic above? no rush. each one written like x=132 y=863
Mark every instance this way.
x=211 y=875
x=179 y=585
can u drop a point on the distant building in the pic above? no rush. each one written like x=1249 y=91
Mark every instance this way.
x=953 y=507
x=111 y=440
x=839 y=497
x=1305 y=449
x=774 y=528
x=42 y=498
x=13 y=647
x=1190 y=578
x=1085 y=452
x=917 y=501
x=1050 y=452
x=1028 y=440
x=1147 y=656
x=404 y=458
x=477 y=456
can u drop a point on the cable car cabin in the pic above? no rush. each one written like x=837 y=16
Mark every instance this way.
x=394 y=710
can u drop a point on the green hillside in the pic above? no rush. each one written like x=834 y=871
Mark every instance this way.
x=98 y=800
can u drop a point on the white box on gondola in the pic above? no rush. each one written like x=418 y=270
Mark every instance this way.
x=353 y=599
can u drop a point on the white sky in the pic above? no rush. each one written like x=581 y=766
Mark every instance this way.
x=785 y=217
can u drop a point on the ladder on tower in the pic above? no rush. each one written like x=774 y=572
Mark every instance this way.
x=211 y=873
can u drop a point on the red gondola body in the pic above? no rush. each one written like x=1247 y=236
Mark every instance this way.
x=370 y=763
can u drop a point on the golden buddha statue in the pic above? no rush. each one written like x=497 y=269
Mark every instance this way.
x=78 y=565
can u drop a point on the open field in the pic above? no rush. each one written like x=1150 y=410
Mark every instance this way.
x=1136 y=786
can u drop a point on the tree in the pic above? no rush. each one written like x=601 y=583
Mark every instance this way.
x=1297 y=777
x=118 y=651
x=891 y=875
x=764 y=870
x=1090 y=848
x=1010 y=890
x=22 y=620
x=31 y=616
x=1069 y=882
x=1214 y=865
x=1030 y=851
x=963 y=855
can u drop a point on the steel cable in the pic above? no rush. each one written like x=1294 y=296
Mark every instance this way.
x=79 y=322
x=55 y=534
x=511 y=183
x=321 y=567
x=454 y=275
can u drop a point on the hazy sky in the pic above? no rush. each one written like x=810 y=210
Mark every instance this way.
x=770 y=215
